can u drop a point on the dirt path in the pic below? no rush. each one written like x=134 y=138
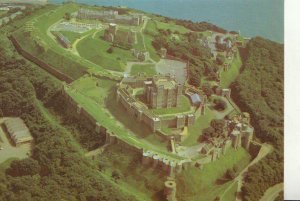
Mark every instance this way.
x=272 y=192
x=265 y=150
x=74 y=45
x=130 y=64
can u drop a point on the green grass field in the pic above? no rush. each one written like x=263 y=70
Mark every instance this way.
x=150 y=48
x=185 y=106
x=227 y=77
x=151 y=27
x=140 y=43
x=95 y=50
x=230 y=194
x=172 y=26
x=142 y=179
x=148 y=69
x=196 y=130
x=200 y=185
x=72 y=36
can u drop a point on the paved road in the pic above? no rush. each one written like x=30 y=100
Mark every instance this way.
x=272 y=192
x=10 y=151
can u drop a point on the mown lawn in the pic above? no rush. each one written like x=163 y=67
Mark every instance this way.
x=231 y=193
x=95 y=50
x=200 y=185
x=195 y=130
x=149 y=47
x=185 y=106
x=72 y=36
x=140 y=43
x=148 y=69
x=151 y=27
x=172 y=26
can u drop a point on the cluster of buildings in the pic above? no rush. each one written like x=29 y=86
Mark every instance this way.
x=76 y=27
x=141 y=55
x=117 y=36
x=237 y=132
x=18 y=131
x=110 y=16
x=139 y=95
x=7 y=19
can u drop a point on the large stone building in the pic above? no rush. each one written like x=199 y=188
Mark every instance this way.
x=163 y=92
x=140 y=94
x=120 y=37
x=110 y=16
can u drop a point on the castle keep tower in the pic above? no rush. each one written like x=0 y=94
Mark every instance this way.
x=164 y=92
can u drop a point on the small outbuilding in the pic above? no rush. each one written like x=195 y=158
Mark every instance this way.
x=18 y=131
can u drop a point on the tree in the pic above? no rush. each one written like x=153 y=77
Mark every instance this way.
x=206 y=88
x=208 y=133
x=220 y=105
x=67 y=16
x=116 y=174
x=220 y=59
x=218 y=125
x=23 y=167
x=110 y=50
x=230 y=173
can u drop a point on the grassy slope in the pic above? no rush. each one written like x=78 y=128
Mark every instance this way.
x=150 y=31
x=122 y=186
x=148 y=43
x=72 y=36
x=196 y=130
x=227 y=77
x=231 y=194
x=97 y=53
x=142 y=178
x=55 y=55
x=148 y=69
x=199 y=185
x=102 y=104
x=172 y=26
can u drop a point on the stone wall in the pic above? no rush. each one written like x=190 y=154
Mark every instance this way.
x=50 y=69
x=79 y=112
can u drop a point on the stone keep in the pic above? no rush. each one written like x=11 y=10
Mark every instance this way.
x=163 y=93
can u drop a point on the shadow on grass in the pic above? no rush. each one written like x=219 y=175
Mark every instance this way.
x=122 y=115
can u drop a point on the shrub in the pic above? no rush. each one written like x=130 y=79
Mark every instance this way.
x=220 y=105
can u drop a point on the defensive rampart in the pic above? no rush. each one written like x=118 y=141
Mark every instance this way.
x=50 y=69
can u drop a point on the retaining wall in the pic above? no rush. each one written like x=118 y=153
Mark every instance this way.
x=50 y=69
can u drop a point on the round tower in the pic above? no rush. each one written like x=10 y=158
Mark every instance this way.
x=170 y=190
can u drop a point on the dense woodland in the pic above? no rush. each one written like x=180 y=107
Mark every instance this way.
x=259 y=91
x=57 y=169
x=188 y=49
x=196 y=26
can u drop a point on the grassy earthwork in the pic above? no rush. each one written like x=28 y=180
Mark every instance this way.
x=98 y=98
x=227 y=77
x=97 y=53
x=148 y=69
x=200 y=185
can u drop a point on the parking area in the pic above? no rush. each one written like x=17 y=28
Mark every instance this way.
x=173 y=67
x=8 y=150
